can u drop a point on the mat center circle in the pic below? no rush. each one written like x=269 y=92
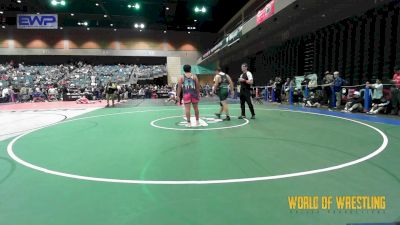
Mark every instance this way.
x=207 y=122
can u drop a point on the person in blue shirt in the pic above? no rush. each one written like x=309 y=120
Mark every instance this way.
x=338 y=82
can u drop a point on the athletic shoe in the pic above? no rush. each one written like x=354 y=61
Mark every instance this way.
x=228 y=118
x=218 y=115
x=253 y=117
x=241 y=117
x=188 y=124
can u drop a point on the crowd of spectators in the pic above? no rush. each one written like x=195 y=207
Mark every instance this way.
x=22 y=83
x=333 y=93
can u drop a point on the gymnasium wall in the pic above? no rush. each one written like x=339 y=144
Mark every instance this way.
x=79 y=41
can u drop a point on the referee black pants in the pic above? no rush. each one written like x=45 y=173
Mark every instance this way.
x=246 y=97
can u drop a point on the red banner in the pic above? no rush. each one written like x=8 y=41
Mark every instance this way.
x=266 y=12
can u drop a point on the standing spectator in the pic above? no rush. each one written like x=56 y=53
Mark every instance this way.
x=278 y=89
x=337 y=88
x=207 y=89
x=396 y=91
x=327 y=90
x=378 y=91
x=11 y=94
x=286 y=88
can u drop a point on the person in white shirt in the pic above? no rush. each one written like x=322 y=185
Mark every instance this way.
x=246 y=80
x=52 y=94
x=5 y=93
x=378 y=91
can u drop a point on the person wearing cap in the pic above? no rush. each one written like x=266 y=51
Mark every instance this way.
x=396 y=91
x=327 y=91
x=222 y=85
x=354 y=103
x=338 y=82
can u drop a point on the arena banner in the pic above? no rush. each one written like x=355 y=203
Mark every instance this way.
x=266 y=12
x=230 y=39
x=215 y=49
x=34 y=21
x=234 y=36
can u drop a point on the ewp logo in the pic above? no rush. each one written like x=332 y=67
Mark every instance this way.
x=32 y=21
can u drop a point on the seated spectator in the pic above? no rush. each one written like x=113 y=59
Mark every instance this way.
x=38 y=96
x=354 y=103
x=312 y=101
x=172 y=97
x=53 y=93
x=5 y=94
x=382 y=106
x=297 y=96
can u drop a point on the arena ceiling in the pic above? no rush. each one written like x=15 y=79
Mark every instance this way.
x=155 y=14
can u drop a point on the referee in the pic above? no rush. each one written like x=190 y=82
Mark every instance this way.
x=246 y=80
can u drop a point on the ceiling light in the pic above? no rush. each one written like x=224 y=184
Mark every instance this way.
x=37 y=13
x=19 y=1
x=85 y=23
x=188 y=32
x=202 y=9
x=111 y=25
x=136 y=25
x=1 y=12
x=167 y=8
x=4 y=27
x=195 y=20
x=140 y=30
x=142 y=26
x=79 y=23
x=61 y=28
x=97 y=4
x=88 y=28
x=115 y=29
x=165 y=31
x=58 y=2
x=105 y=16
x=72 y=14
x=135 y=6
